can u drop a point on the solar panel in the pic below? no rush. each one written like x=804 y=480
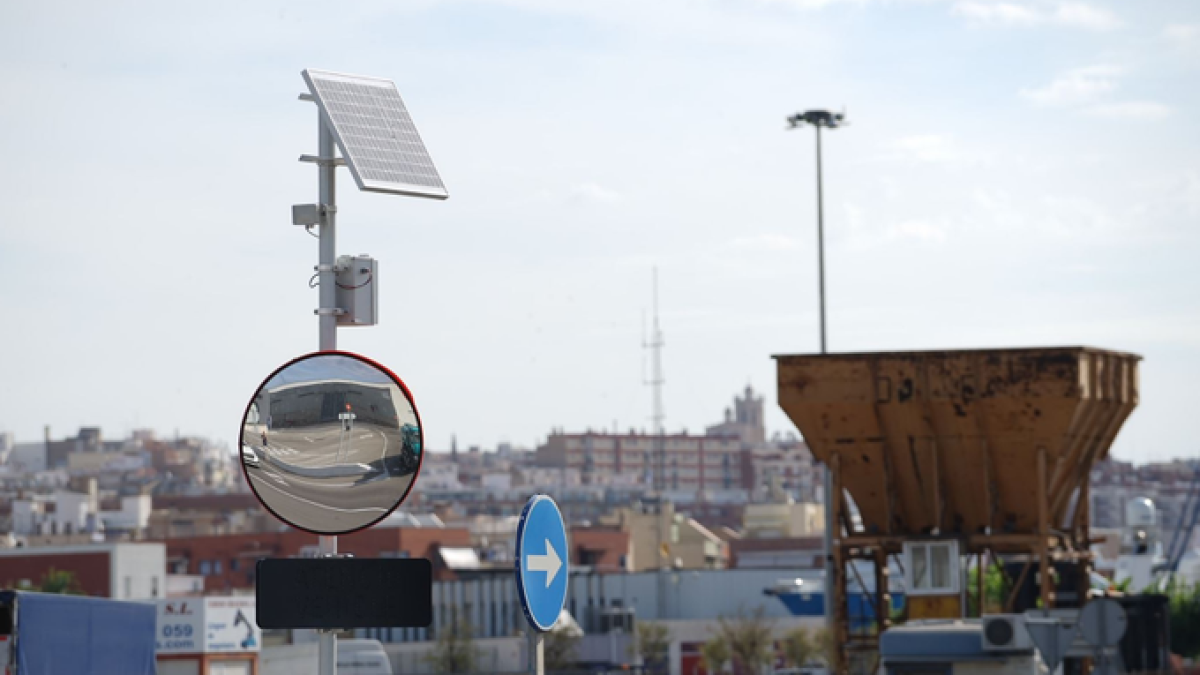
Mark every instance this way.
x=375 y=133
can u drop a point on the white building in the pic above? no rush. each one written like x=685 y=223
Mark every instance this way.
x=124 y=571
x=69 y=512
x=27 y=457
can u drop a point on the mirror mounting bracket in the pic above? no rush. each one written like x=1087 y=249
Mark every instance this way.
x=327 y=311
x=312 y=214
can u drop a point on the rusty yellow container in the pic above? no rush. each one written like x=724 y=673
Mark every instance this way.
x=948 y=441
x=933 y=607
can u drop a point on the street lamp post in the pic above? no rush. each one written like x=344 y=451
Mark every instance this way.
x=828 y=120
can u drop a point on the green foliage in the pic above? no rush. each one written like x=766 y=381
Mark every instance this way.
x=995 y=591
x=1184 y=608
x=826 y=650
x=454 y=651
x=715 y=654
x=800 y=647
x=750 y=639
x=653 y=645
x=55 y=581
x=558 y=650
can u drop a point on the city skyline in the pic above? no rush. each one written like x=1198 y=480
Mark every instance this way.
x=1015 y=174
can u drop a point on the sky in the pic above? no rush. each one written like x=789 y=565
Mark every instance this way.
x=1015 y=173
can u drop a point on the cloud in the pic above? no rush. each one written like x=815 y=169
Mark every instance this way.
x=1180 y=32
x=811 y=4
x=767 y=242
x=593 y=193
x=1012 y=14
x=1085 y=88
x=1081 y=85
x=927 y=148
x=999 y=13
x=918 y=229
x=1080 y=15
x=1131 y=110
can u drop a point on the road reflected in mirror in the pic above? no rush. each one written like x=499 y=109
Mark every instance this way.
x=331 y=443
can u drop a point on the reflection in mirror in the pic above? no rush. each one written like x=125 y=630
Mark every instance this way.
x=331 y=443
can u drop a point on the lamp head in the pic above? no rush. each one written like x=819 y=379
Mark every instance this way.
x=819 y=118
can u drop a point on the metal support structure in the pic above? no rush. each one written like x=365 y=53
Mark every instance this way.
x=938 y=504
x=830 y=565
x=832 y=495
x=327 y=329
x=324 y=215
x=327 y=278
x=656 y=381
x=657 y=460
x=1043 y=547
x=980 y=561
x=883 y=594
x=837 y=598
x=537 y=653
x=820 y=237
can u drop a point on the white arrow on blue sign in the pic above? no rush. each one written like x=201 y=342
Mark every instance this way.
x=542 y=562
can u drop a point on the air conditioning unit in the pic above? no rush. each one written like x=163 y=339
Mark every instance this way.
x=1005 y=633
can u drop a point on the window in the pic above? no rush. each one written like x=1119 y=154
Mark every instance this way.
x=932 y=567
x=205 y=567
x=128 y=587
x=154 y=587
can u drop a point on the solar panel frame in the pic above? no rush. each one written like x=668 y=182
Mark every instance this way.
x=375 y=133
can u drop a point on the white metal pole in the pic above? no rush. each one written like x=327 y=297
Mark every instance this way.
x=831 y=570
x=327 y=320
x=537 y=652
x=326 y=169
x=821 y=236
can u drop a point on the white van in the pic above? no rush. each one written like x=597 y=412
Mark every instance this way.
x=354 y=657
x=362 y=657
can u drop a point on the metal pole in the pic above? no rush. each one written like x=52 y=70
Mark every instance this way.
x=537 y=653
x=820 y=237
x=327 y=321
x=326 y=169
x=831 y=570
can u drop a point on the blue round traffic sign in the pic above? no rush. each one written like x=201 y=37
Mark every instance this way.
x=542 y=562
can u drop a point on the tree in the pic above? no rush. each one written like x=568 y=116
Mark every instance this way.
x=825 y=649
x=56 y=581
x=653 y=645
x=750 y=638
x=995 y=591
x=715 y=654
x=455 y=649
x=558 y=649
x=799 y=647
x=1184 y=610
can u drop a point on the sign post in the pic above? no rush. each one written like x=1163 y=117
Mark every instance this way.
x=361 y=117
x=1102 y=623
x=542 y=568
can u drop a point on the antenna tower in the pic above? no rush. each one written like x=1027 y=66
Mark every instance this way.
x=656 y=381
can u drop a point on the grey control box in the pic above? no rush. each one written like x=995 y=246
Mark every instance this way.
x=357 y=290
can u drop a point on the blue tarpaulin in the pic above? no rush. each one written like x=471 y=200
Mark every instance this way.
x=76 y=635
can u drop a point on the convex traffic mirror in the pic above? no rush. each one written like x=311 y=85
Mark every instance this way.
x=331 y=442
